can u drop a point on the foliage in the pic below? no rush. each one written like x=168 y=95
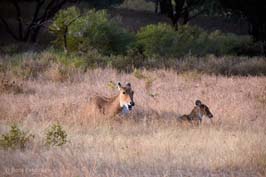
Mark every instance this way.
x=163 y=40
x=225 y=44
x=60 y=26
x=157 y=40
x=94 y=30
x=56 y=135
x=191 y=40
x=15 y=138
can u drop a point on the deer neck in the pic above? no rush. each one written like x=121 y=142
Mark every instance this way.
x=115 y=107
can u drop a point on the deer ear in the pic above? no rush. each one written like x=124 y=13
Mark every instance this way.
x=128 y=85
x=119 y=85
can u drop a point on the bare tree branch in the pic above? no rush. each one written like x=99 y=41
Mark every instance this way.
x=19 y=18
x=8 y=29
x=35 y=16
x=44 y=10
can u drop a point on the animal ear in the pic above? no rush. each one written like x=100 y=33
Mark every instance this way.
x=128 y=85
x=119 y=85
x=198 y=103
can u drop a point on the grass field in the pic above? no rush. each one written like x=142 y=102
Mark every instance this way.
x=147 y=142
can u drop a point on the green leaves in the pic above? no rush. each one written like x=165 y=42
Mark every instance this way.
x=56 y=136
x=157 y=40
x=163 y=40
x=15 y=138
x=91 y=30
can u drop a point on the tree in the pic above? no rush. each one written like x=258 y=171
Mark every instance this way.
x=181 y=9
x=28 y=30
x=254 y=11
x=186 y=10
x=61 y=24
x=172 y=9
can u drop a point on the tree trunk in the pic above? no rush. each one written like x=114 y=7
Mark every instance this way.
x=34 y=34
x=65 y=39
x=185 y=16
x=157 y=7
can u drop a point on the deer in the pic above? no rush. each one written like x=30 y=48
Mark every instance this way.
x=198 y=112
x=111 y=106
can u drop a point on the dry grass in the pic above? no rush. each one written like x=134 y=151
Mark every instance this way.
x=148 y=142
x=9 y=86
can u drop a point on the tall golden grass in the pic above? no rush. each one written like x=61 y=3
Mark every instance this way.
x=147 y=142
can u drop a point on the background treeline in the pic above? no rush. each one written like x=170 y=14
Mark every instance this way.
x=85 y=34
x=95 y=30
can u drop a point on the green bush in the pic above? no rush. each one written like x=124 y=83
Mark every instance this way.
x=191 y=40
x=226 y=43
x=56 y=135
x=106 y=35
x=93 y=30
x=157 y=40
x=163 y=40
x=15 y=138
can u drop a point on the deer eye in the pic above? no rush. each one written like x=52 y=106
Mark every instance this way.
x=124 y=92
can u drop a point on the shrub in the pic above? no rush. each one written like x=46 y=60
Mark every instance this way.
x=191 y=40
x=56 y=136
x=106 y=35
x=93 y=30
x=157 y=40
x=15 y=138
x=162 y=40
x=225 y=43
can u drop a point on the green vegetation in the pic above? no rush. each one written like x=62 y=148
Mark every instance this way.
x=15 y=138
x=96 y=31
x=92 y=30
x=56 y=135
x=158 y=40
x=93 y=39
x=163 y=40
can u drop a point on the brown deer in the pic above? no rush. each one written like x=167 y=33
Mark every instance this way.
x=197 y=113
x=109 y=107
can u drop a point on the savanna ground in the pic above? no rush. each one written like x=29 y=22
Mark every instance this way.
x=147 y=142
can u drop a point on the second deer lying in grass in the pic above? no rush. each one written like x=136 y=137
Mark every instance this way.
x=197 y=113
